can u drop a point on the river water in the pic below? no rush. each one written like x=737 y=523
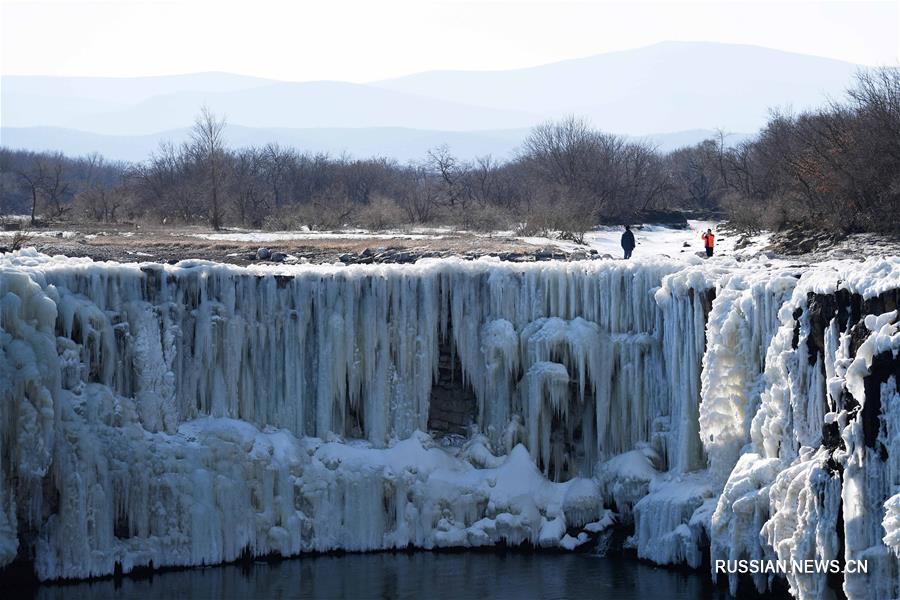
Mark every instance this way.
x=430 y=575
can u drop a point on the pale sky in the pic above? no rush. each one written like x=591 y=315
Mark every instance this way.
x=361 y=41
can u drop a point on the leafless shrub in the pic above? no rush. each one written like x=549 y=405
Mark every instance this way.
x=485 y=218
x=284 y=219
x=380 y=214
x=20 y=239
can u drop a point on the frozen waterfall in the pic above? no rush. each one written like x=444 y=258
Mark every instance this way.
x=191 y=414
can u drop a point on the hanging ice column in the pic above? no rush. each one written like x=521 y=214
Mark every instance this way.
x=602 y=324
x=29 y=384
x=684 y=298
x=354 y=351
x=315 y=352
x=717 y=323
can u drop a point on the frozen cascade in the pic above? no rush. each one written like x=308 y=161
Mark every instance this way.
x=175 y=415
x=352 y=352
x=740 y=327
x=814 y=478
x=183 y=415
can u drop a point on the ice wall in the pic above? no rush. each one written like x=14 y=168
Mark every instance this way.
x=352 y=352
x=180 y=415
x=111 y=368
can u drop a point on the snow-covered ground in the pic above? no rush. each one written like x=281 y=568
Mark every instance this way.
x=184 y=414
x=659 y=240
x=652 y=240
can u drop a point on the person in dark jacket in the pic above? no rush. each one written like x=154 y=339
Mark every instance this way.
x=628 y=242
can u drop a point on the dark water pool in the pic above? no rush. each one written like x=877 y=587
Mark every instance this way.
x=476 y=575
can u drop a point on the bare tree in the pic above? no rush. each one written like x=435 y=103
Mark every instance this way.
x=419 y=195
x=457 y=183
x=277 y=163
x=57 y=186
x=168 y=183
x=250 y=195
x=33 y=177
x=208 y=148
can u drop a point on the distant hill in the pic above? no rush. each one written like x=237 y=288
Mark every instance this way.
x=667 y=91
x=126 y=90
x=669 y=86
x=312 y=104
x=393 y=142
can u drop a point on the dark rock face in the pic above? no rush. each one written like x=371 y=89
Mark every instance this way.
x=453 y=405
x=795 y=340
x=705 y=297
x=850 y=311
x=821 y=310
x=884 y=366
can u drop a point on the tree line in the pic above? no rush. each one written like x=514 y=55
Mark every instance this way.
x=835 y=168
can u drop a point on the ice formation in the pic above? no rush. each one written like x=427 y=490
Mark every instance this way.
x=191 y=414
x=816 y=476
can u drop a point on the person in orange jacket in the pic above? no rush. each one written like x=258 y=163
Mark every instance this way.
x=709 y=241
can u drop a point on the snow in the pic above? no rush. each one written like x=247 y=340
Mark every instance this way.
x=659 y=240
x=185 y=414
x=625 y=479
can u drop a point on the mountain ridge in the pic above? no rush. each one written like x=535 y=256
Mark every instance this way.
x=664 y=87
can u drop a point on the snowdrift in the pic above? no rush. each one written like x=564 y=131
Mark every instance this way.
x=190 y=414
